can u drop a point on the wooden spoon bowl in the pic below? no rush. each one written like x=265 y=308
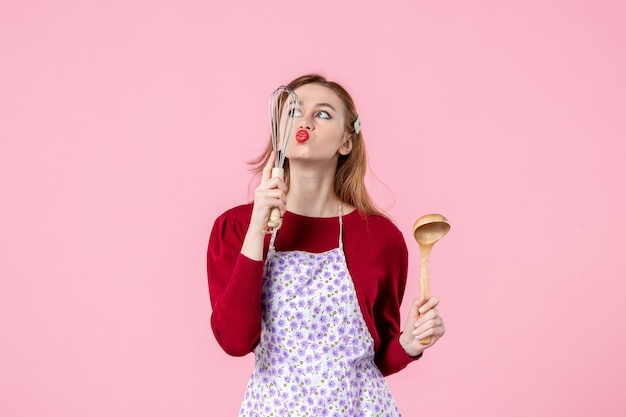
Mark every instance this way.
x=428 y=229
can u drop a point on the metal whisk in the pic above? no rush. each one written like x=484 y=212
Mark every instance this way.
x=284 y=105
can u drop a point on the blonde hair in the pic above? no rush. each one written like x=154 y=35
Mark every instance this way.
x=349 y=185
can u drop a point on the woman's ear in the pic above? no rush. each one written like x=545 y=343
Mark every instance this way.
x=346 y=145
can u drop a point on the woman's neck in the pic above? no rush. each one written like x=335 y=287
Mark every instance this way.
x=311 y=192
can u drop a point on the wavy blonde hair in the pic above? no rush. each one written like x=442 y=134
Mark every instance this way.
x=349 y=182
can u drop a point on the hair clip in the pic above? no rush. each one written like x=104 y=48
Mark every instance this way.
x=357 y=124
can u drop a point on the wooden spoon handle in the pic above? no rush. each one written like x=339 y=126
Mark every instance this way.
x=425 y=279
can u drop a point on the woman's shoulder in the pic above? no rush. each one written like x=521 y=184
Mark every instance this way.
x=374 y=225
x=241 y=212
x=232 y=224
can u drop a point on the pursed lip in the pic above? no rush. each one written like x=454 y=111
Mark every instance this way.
x=302 y=136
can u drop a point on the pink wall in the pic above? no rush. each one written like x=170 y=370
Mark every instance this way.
x=124 y=131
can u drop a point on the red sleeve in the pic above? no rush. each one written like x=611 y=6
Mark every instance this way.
x=235 y=283
x=390 y=356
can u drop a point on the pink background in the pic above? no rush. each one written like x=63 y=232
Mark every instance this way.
x=125 y=127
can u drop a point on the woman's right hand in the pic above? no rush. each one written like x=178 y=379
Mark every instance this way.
x=271 y=192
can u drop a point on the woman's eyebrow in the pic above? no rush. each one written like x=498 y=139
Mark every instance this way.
x=325 y=105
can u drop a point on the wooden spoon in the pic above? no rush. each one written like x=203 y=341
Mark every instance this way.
x=427 y=230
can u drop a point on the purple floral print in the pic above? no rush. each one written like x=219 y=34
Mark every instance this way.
x=316 y=355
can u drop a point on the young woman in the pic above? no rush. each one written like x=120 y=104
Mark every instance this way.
x=317 y=301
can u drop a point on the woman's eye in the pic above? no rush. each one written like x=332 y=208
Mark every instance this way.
x=323 y=115
x=294 y=113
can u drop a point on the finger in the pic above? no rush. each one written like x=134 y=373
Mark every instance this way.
x=435 y=332
x=414 y=311
x=267 y=170
x=279 y=183
x=272 y=184
x=417 y=303
x=433 y=327
x=272 y=190
x=431 y=303
x=266 y=199
x=429 y=324
x=426 y=321
x=429 y=315
x=427 y=333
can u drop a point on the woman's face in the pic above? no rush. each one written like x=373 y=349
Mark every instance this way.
x=319 y=131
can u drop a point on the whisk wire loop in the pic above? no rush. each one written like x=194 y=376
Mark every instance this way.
x=283 y=102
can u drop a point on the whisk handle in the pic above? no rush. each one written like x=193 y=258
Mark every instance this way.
x=275 y=220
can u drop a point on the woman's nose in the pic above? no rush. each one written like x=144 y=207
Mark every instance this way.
x=304 y=122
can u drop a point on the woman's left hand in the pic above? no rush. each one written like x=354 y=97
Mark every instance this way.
x=423 y=321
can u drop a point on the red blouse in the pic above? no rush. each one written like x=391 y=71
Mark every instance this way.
x=377 y=259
